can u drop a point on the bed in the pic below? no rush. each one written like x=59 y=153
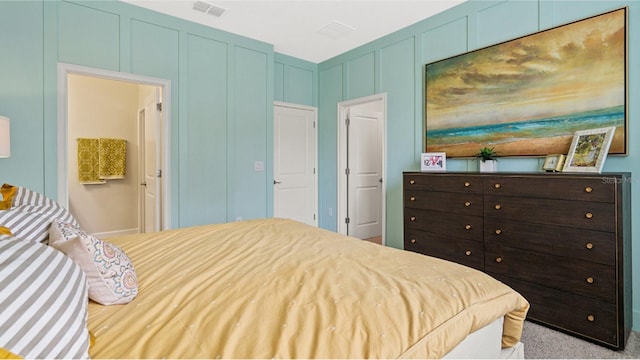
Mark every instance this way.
x=276 y=288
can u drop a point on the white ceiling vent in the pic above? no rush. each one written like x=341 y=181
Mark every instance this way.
x=335 y=30
x=210 y=9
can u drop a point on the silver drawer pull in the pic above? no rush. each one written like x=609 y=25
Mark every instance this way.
x=467 y=203
x=468 y=252
x=588 y=215
x=589 y=246
x=468 y=226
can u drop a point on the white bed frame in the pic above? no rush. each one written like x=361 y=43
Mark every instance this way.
x=486 y=344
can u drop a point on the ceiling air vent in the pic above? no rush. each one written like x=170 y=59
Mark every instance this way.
x=335 y=30
x=210 y=9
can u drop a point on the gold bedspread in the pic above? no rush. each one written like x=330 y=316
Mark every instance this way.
x=276 y=288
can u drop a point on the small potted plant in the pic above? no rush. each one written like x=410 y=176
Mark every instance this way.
x=488 y=158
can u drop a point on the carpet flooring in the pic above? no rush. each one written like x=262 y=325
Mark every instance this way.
x=543 y=343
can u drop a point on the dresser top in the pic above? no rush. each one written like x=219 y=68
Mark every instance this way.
x=522 y=173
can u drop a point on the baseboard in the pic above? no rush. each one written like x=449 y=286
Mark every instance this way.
x=109 y=234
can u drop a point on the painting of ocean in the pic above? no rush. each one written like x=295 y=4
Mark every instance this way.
x=495 y=134
x=528 y=96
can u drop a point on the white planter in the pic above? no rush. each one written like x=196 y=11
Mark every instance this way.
x=487 y=166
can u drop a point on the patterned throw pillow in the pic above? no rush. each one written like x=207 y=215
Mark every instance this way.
x=25 y=196
x=31 y=215
x=112 y=278
x=43 y=302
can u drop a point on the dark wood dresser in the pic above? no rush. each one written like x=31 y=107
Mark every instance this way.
x=562 y=240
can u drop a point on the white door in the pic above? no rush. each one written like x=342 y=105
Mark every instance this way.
x=364 y=161
x=294 y=163
x=151 y=204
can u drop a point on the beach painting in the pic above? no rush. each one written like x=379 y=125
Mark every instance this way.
x=528 y=96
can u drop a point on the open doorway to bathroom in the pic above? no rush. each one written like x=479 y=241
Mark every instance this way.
x=98 y=107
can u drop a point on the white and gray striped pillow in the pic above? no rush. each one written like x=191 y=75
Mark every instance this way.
x=32 y=214
x=43 y=302
x=25 y=196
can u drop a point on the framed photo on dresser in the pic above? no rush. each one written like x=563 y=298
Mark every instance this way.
x=433 y=161
x=553 y=163
x=589 y=149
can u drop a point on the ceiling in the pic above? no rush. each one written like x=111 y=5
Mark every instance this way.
x=312 y=30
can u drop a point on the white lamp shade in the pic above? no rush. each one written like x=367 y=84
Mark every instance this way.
x=5 y=137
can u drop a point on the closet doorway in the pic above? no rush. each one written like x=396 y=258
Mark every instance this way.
x=361 y=167
x=92 y=104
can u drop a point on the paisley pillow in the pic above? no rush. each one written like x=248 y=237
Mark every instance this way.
x=111 y=275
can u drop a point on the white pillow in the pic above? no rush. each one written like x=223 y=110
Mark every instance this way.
x=43 y=302
x=112 y=277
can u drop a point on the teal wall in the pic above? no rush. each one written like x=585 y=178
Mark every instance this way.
x=394 y=65
x=223 y=87
x=295 y=81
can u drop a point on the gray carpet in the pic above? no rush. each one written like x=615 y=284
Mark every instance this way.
x=543 y=343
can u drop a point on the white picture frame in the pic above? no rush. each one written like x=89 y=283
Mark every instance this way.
x=589 y=150
x=433 y=161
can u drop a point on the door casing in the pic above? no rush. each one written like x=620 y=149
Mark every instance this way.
x=150 y=202
x=342 y=190
x=64 y=70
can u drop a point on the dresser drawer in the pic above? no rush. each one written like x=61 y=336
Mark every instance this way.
x=588 y=245
x=458 y=203
x=565 y=187
x=579 y=214
x=573 y=276
x=463 y=251
x=438 y=222
x=443 y=182
x=578 y=315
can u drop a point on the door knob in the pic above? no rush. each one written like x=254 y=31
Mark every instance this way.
x=276 y=182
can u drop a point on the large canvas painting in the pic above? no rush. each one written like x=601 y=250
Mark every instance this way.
x=528 y=96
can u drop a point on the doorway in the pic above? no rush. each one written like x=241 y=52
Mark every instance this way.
x=361 y=167
x=124 y=125
x=295 y=149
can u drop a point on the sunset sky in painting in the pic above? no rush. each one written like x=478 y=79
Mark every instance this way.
x=574 y=68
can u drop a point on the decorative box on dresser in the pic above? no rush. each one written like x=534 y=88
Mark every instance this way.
x=562 y=240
